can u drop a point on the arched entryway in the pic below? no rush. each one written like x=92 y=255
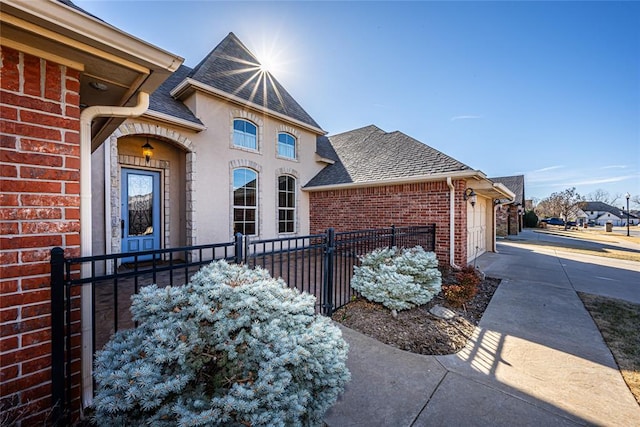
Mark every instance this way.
x=172 y=164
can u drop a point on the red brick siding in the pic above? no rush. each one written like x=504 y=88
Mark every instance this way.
x=507 y=221
x=400 y=205
x=502 y=216
x=39 y=204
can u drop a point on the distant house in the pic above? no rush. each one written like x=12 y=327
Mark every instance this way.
x=600 y=213
x=510 y=214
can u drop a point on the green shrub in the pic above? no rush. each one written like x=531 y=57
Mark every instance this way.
x=466 y=287
x=398 y=279
x=232 y=347
x=530 y=219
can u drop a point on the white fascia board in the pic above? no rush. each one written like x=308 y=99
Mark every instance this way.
x=501 y=188
x=326 y=160
x=397 y=181
x=166 y=118
x=190 y=84
x=77 y=25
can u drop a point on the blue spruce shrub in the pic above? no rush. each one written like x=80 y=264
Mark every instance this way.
x=398 y=279
x=232 y=347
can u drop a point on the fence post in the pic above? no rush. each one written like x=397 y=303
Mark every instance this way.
x=393 y=236
x=238 y=248
x=328 y=271
x=57 y=335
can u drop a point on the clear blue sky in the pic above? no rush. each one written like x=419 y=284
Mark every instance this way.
x=550 y=90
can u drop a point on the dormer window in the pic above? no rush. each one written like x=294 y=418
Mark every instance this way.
x=245 y=134
x=286 y=145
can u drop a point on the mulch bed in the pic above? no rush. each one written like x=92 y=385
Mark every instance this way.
x=416 y=330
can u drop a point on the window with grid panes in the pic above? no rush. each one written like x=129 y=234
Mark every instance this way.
x=245 y=201
x=286 y=204
x=245 y=134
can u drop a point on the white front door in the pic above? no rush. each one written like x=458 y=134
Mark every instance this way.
x=476 y=229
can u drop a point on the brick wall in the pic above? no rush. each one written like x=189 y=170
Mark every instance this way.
x=508 y=221
x=502 y=217
x=400 y=205
x=513 y=221
x=39 y=209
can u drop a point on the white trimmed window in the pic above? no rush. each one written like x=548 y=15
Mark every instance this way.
x=245 y=134
x=286 y=204
x=245 y=201
x=286 y=145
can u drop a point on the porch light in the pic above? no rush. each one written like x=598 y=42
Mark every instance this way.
x=147 y=151
x=470 y=195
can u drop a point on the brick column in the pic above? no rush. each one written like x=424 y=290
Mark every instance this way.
x=39 y=209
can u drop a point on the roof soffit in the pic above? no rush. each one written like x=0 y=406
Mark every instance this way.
x=103 y=54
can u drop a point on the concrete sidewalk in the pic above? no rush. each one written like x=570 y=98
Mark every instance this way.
x=536 y=358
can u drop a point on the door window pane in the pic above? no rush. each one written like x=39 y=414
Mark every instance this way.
x=140 y=204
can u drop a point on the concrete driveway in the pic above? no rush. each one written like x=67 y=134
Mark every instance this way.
x=536 y=358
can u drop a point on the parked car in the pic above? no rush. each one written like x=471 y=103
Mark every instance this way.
x=553 y=221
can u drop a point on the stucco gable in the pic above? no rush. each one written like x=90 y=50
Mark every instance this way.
x=231 y=68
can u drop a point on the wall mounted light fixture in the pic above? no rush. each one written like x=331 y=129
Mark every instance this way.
x=147 y=151
x=99 y=86
x=470 y=195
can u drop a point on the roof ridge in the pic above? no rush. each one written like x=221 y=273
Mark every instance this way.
x=213 y=55
x=356 y=130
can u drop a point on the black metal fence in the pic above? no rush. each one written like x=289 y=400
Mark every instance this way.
x=320 y=264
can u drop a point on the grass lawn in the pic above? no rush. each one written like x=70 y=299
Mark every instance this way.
x=607 y=251
x=624 y=254
x=618 y=323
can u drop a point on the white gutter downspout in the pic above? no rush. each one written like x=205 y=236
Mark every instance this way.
x=86 y=238
x=452 y=224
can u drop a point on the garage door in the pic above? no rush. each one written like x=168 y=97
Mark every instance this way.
x=476 y=229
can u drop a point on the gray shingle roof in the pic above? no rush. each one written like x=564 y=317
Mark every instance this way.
x=162 y=102
x=78 y=8
x=232 y=68
x=370 y=154
x=602 y=207
x=515 y=184
x=324 y=148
